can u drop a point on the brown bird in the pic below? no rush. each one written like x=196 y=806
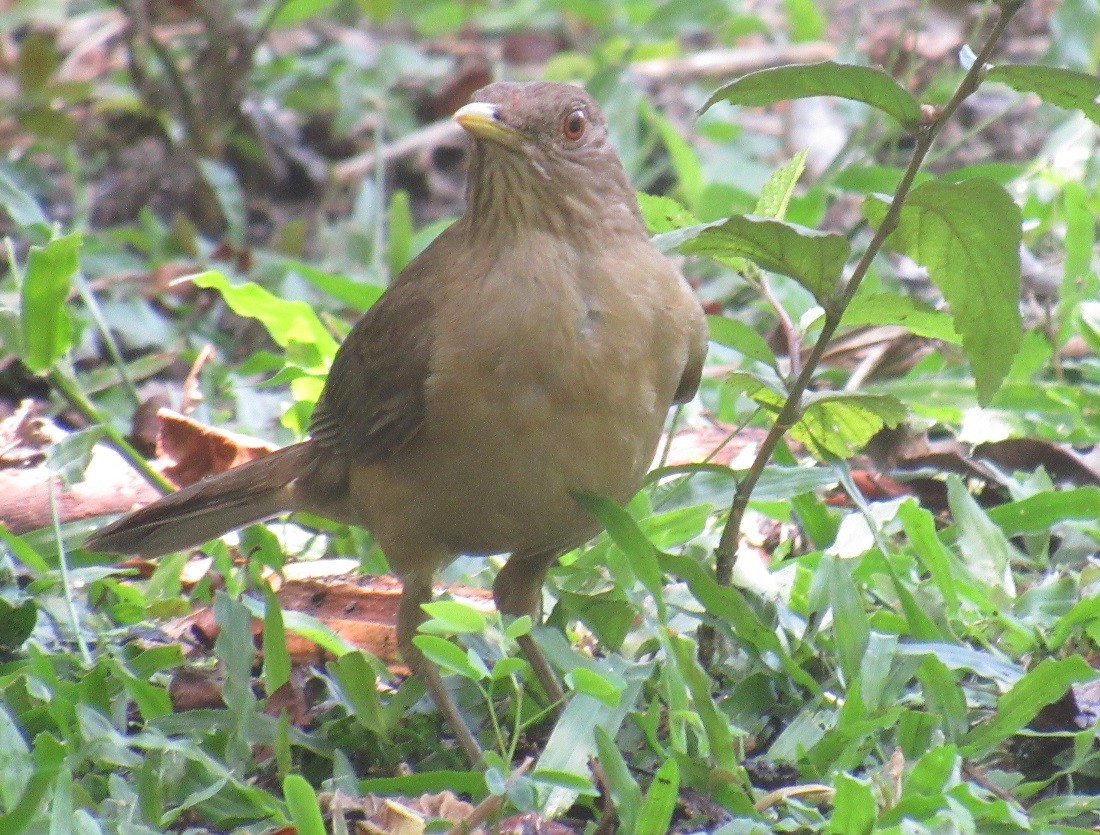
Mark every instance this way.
x=531 y=352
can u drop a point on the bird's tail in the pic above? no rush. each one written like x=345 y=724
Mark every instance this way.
x=245 y=494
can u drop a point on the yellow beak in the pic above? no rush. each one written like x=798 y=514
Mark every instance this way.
x=480 y=119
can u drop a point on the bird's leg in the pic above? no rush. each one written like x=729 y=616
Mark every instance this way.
x=417 y=591
x=517 y=591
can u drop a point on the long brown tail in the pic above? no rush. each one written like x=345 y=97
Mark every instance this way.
x=249 y=493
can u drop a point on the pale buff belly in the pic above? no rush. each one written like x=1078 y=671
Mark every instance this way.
x=497 y=473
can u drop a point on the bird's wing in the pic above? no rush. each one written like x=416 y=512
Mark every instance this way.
x=373 y=401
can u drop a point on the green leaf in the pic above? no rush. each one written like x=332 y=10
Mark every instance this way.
x=1064 y=88
x=828 y=78
x=301 y=803
x=47 y=326
x=839 y=423
x=661 y=213
x=451 y=616
x=982 y=545
x=625 y=533
x=812 y=258
x=276 y=655
x=853 y=806
x=353 y=293
x=626 y=794
x=399 y=227
x=775 y=197
x=968 y=236
x=1040 y=687
x=69 y=457
x=358 y=684
x=16 y=623
x=659 y=802
x=566 y=780
x=887 y=308
x=599 y=687
x=20 y=206
x=294 y=12
x=449 y=657
x=49 y=757
x=285 y=321
x=737 y=335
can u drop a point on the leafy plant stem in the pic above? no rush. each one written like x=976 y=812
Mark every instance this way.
x=726 y=552
x=75 y=398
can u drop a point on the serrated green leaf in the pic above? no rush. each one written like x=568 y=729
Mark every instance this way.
x=1064 y=88
x=827 y=78
x=47 y=326
x=839 y=424
x=968 y=236
x=812 y=258
x=777 y=191
x=887 y=308
x=663 y=214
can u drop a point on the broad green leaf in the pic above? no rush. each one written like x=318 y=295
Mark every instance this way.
x=1040 y=687
x=841 y=423
x=453 y=616
x=447 y=656
x=49 y=757
x=828 y=78
x=775 y=197
x=1064 y=88
x=739 y=336
x=302 y=804
x=854 y=808
x=663 y=214
x=968 y=236
x=888 y=308
x=47 y=326
x=851 y=627
x=599 y=687
x=285 y=321
x=565 y=780
x=812 y=258
x=16 y=623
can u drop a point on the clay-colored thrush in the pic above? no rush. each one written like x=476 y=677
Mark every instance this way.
x=531 y=352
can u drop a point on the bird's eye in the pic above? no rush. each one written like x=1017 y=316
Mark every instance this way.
x=573 y=125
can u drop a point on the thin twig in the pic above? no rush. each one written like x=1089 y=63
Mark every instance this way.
x=726 y=552
x=75 y=397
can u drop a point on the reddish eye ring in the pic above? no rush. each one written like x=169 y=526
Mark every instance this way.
x=573 y=125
